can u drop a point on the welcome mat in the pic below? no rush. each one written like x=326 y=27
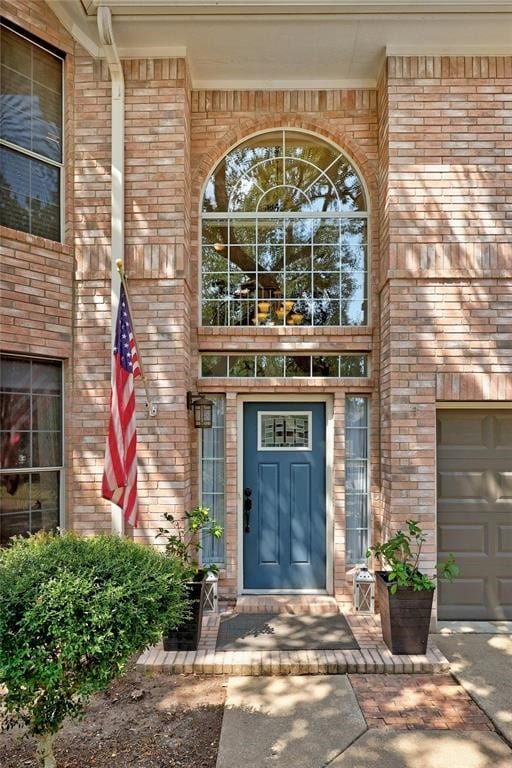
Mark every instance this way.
x=285 y=632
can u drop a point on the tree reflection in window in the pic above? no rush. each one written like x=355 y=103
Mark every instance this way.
x=284 y=236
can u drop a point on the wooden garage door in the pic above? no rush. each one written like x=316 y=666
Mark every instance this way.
x=474 y=508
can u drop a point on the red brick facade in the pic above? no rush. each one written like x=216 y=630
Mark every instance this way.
x=433 y=145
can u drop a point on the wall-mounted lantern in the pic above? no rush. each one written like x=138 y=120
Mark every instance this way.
x=202 y=409
x=364 y=590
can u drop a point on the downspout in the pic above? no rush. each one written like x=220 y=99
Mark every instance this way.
x=117 y=175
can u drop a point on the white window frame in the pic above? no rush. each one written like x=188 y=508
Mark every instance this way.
x=61 y=469
x=35 y=155
x=279 y=216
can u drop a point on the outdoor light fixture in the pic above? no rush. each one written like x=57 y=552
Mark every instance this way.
x=203 y=410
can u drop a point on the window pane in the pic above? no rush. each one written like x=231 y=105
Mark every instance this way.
x=31 y=118
x=356 y=507
x=47 y=69
x=214 y=365
x=14 y=190
x=354 y=365
x=46 y=378
x=28 y=502
x=46 y=122
x=357 y=544
x=16 y=108
x=287 y=254
x=356 y=411
x=30 y=195
x=15 y=448
x=213 y=440
x=46 y=412
x=298 y=366
x=213 y=475
x=16 y=52
x=213 y=480
x=326 y=366
x=278 y=366
x=215 y=286
x=356 y=442
x=31 y=96
x=241 y=365
x=270 y=365
x=46 y=449
x=30 y=422
x=215 y=313
x=356 y=478
x=45 y=200
x=354 y=313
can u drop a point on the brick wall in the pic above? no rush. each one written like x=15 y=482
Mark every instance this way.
x=432 y=144
x=220 y=120
x=157 y=216
x=446 y=296
x=37 y=273
x=36 y=281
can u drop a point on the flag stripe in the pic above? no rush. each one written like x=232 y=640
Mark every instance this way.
x=119 y=483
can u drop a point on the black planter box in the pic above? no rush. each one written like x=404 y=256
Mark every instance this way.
x=404 y=616
x=186 y=636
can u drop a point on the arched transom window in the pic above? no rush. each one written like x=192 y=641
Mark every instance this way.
x=284 y=236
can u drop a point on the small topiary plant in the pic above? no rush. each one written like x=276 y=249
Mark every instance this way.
x=401 y=554
x=72 y=612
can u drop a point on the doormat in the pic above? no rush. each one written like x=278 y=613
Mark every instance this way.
x=285 y=632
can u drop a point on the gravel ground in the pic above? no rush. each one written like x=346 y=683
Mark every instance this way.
x=148 y=721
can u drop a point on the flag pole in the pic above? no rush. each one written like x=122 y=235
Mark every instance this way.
x=152 y=409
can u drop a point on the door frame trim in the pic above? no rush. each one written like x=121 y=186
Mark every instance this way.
x=329 y=500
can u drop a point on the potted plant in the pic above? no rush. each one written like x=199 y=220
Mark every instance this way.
x=404 y=593
x=183 y=542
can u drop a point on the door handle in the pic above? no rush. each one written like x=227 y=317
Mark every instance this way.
x=247 y=509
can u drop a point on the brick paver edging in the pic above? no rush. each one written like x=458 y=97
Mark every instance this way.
x=418 y=702
x=372 y=660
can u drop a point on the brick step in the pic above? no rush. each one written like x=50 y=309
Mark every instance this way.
x=366 y=661
x=293 y=604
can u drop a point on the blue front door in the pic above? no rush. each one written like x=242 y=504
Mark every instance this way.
x=284 y=496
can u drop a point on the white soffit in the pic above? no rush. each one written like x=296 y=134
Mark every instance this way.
x=281 y=44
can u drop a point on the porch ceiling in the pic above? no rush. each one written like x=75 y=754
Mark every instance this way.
x=276 y=43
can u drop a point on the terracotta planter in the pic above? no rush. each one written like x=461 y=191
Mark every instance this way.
x=186 y=637
x=404 y=616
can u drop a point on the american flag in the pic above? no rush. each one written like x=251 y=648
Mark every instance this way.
x=120 y=474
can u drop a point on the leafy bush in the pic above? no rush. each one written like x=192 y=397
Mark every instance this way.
x=72 y=612
x=397 y=553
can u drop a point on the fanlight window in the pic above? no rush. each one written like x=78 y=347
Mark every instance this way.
x=284 y=236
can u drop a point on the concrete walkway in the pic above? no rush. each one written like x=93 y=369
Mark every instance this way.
x=356 y=721
x=376 y=720
x=482 y=663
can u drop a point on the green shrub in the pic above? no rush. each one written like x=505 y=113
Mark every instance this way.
x=72 y=612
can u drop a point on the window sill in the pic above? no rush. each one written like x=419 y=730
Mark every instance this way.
x=6 y=233
x=204 y=332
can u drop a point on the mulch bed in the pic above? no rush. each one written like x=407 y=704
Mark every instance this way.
x=148 y=721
